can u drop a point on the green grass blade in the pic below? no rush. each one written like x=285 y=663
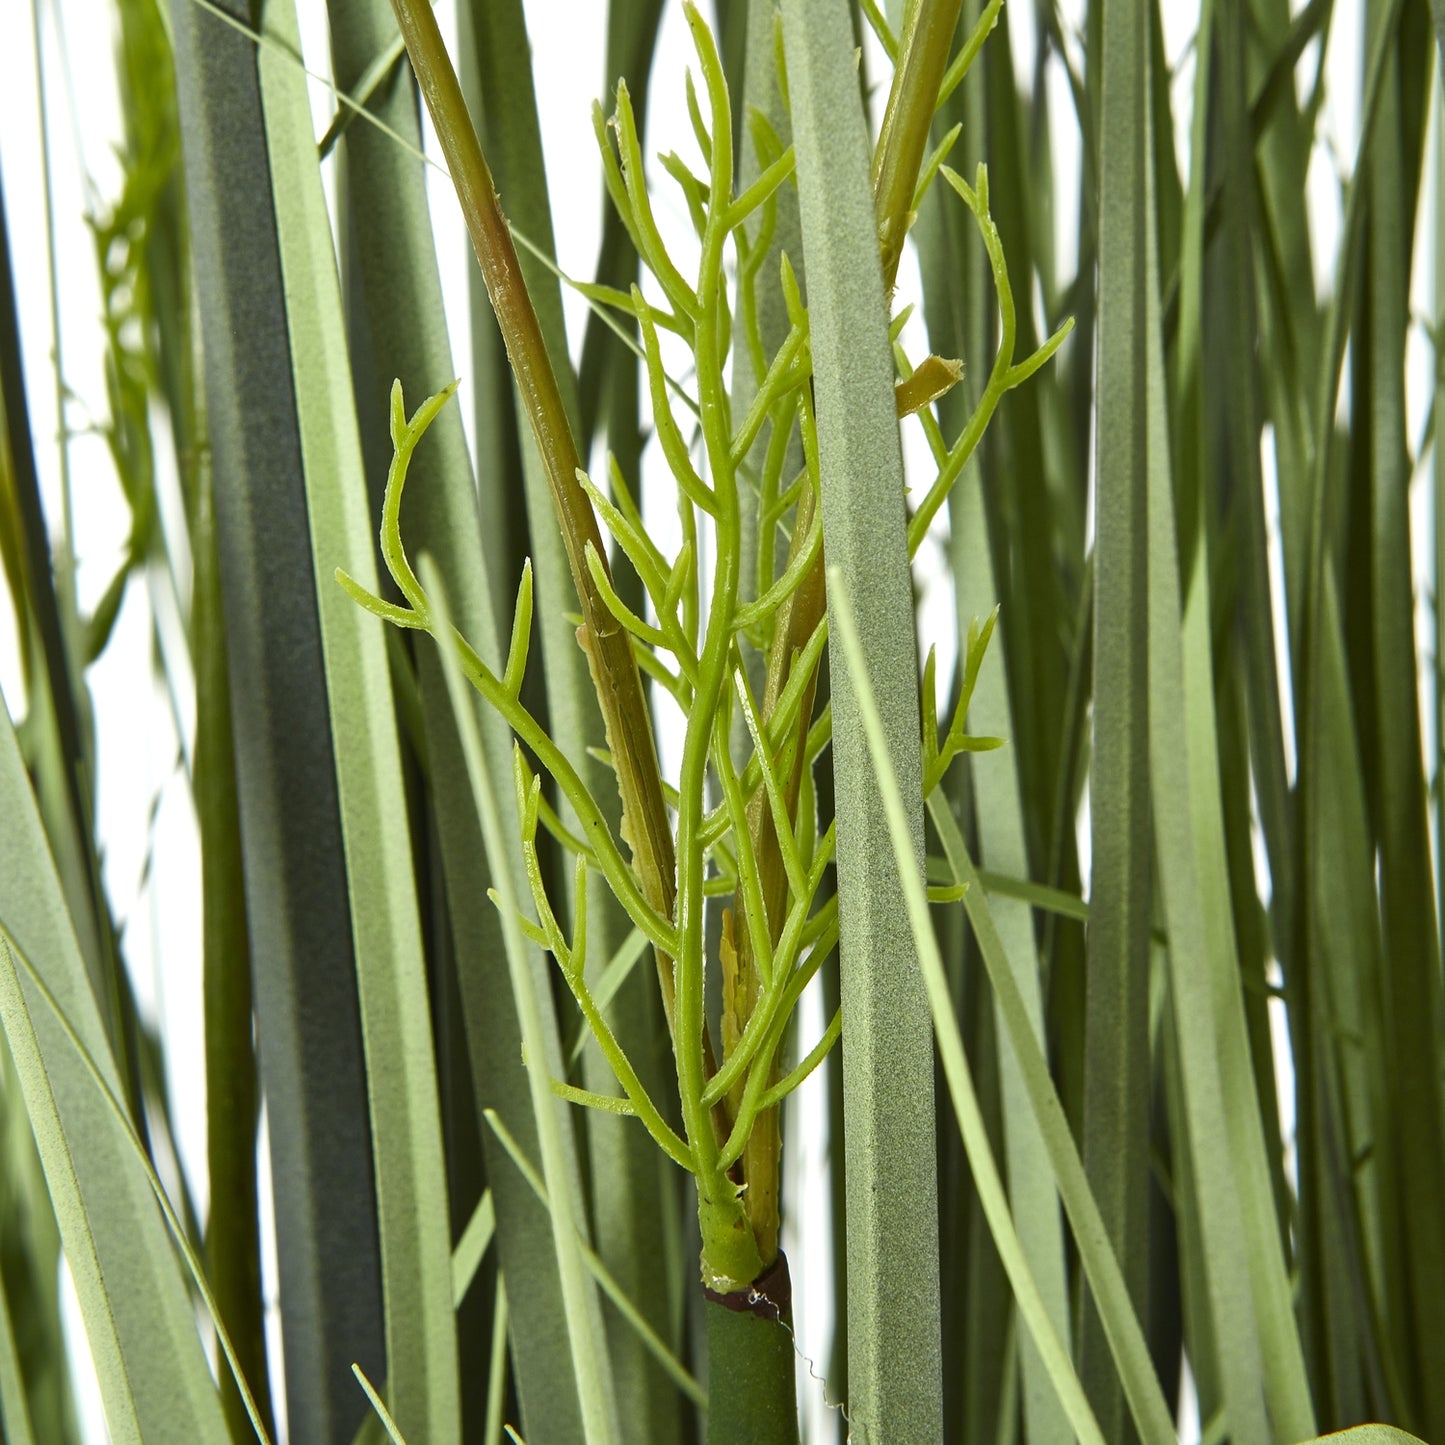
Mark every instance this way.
x=589 y=1349
x=233 y=1241
x=960 y=301
x=955 y=1066
x=1034 y=589
x=154 y=1381
x=1250 y=1299
x=1289 y=314
x=1194 y=931
x=1037 y=895
x=632 y=1193
x=1230 y=463
x=1229 y=325
x=497 y=1367
x=1354 y=1274
x=893 y=1304
x=978 y=1289
x=1407 y=891
x=1116 y=1069
x=386 y=928
x=472 y=1247
x=995 y=512
x=1326 y=631
x=181 y=1230
x=1100 y=1261
x=1002 y=847
x=303 y=967
x=378 y=1408
x=1241 y=1061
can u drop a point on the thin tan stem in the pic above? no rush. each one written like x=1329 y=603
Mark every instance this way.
x=646 y=828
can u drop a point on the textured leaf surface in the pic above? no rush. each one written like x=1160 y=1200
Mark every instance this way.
x=154 y=1381
x=893 y=1329
x=386 y=930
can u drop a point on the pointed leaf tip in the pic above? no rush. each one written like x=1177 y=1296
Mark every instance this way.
x=398 y=414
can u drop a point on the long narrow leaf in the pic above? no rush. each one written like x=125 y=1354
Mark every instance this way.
x=297 y=904
x=584 y=1326
x=998 y=806
x=893 y=1328
x=1026 y=1291
x=1002 y=847
x=1407 y=893
x=1191 y=930
x=154 y=1381
x=1116 y=1067
x=1100 y=1261
x=386 y=929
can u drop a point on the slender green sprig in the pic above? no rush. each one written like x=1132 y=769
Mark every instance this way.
x=571 y=958
x=755 y=842
x=609 y=648
x=963 y=62
x=695 y=657
x=502 y=692
x=1005 y=374
x=922 y=59
x=750 y=972
x=721 y=1210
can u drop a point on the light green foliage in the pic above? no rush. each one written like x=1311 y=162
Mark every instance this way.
x=44 y=1086
x=126 y=1274
x=697 y=660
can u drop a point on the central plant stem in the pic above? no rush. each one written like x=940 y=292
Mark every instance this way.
x=736 y=1164
x=751 y=1362
x=646 y=826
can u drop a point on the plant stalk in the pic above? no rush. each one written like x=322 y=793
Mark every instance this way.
x=750 y=1363
x=645 y=824
x=907 y=122
x=797 y=621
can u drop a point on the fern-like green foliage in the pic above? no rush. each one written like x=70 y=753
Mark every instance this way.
x=696 y=658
